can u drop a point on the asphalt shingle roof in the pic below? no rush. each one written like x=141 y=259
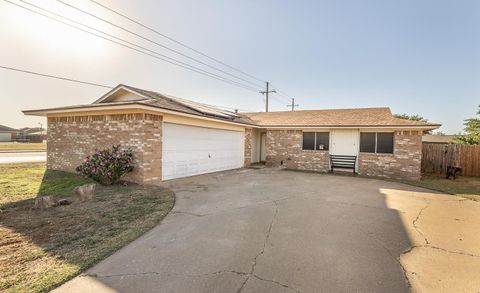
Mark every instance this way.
x=180 y=105
x=333 y=117
x=4 y=128
x=359 y=117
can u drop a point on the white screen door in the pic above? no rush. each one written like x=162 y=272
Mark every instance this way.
x=345 y=142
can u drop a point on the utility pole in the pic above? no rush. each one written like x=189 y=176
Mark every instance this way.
x=266 y=92
x=293 y=105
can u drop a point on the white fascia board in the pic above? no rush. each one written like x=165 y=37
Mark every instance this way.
x=116 y=89
x=138 y=106
x=353 y=127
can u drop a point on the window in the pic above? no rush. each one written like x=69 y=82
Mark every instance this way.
x=367 y=142
x=373 y=142
x=316 y=141
x=309 y=140
x=322 y=141
x=385 y=143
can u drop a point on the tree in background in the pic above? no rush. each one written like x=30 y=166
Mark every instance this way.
x=415 y=117
x=471 y=131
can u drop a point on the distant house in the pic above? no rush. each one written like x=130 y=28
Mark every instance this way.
x=174 y=138
x=437 y=139
x=25 y=134
x=32 y=134
x=8 y=133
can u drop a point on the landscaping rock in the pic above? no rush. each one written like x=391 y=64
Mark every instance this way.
x=43 y=202
x=86 y=191
x=62 y=202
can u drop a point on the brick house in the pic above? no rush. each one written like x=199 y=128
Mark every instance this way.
x=8 y=133
x=173 y=137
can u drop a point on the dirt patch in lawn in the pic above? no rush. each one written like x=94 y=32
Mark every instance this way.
x=42 y=249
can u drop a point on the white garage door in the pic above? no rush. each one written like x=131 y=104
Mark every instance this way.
x=5 y=137
x=190 y=150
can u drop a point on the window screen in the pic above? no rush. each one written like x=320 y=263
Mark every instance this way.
x=385 y=143
x=309 y=140
x=367 y=142
x=322 y=141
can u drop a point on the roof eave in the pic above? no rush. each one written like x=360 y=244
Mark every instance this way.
x=127 y=105
x=423 y=127
x=78 y=108
x=139 y=105
x=116 y=89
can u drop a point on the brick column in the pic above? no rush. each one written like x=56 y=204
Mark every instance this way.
x=248 y=147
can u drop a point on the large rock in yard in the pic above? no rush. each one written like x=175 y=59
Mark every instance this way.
x=62 y=202
x=86 y=191
x=43 y=202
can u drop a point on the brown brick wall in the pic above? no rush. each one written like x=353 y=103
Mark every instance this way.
x=284 y=148
x=71 y=139
x=248 y=146
x=404 y=163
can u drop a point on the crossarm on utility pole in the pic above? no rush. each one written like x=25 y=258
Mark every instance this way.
x=293 y=105
x=266 y=92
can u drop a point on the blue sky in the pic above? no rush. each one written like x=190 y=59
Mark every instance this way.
x=417 y=57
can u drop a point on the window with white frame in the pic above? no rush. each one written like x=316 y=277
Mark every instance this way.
x=376 y=142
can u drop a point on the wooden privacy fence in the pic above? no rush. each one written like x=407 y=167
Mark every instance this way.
x=436 y=158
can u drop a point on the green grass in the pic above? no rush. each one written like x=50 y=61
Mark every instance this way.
x=25 y=181
x=22 y=146
x=468 y=187
x=42 y=249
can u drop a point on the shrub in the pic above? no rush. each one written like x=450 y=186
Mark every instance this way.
x=107 y=166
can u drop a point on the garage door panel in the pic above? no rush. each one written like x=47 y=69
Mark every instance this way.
x=5 y=137
x=190 y=150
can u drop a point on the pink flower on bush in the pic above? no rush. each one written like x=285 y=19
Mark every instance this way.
x=107 y=166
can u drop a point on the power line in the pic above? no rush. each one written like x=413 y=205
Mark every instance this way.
x=88 y=83
x=153 y=42
x=218 y=106
x=175 y=41
x=284 y=98
x=175 y=62
x=55 y=77
x=171 y=60
x=287 y=98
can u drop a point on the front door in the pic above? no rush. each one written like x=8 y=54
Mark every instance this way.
x=345 y=142
x=263 y=148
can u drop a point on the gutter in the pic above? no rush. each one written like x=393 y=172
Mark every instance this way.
x=430 y=126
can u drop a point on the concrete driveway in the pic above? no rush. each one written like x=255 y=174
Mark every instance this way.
x=281 y=231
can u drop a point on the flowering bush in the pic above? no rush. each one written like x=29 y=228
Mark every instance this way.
x=107 y=166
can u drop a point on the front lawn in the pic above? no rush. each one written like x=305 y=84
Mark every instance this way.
x=23 y=146
x=42 y=249
x=468 y=187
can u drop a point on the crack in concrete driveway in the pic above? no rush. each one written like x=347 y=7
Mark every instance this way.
x=279 y=231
